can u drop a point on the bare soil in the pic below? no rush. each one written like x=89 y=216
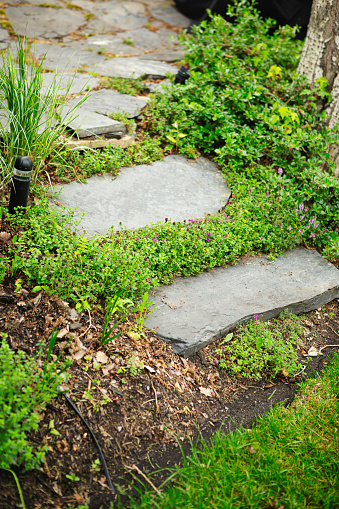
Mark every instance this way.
x=139 y=398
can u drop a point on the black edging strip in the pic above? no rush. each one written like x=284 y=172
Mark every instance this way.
x=102 y=458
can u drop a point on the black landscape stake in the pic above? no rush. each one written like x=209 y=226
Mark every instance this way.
x=181 y=76
x=21 y=179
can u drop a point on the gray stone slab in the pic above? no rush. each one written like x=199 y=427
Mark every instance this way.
x=93 y=27
x=173 y=188
x=158 y=87
x=147 y=40
x=110 y=101
x=73 y=83
x=169 y=14
x=62 y=58
x=166 y=55
x=51 y=3
x=4 y=35
x=106 y=43
x=44 y=22
x=88 y=123
x=125 y=15
x=195 y=311
x=133 y=67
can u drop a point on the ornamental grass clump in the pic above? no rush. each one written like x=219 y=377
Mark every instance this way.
x=28 y=111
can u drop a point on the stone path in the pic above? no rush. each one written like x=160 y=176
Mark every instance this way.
x=192 y=312
x=173 y=188
x=126 y=39
x=89 y=41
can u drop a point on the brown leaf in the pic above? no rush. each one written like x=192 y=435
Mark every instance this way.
x=5 y=236
x=206 y=392
x=150 y=369
x=178 y=387
x=101 y=357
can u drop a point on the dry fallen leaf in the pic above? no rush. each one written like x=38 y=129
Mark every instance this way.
x=313 y=352
x=5 y=236
x=151 y=370
x=80 y=354
x=206 y=392
x=178 y=388
x=101 y=357
x=62 y=333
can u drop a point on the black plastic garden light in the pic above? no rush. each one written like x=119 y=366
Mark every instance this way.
x=21 y=179
x=181 y=76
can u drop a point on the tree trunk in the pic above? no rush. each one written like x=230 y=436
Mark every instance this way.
x=320 y=58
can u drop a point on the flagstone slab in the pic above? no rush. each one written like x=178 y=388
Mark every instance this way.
x=169 y=14
x=106 y=43
x=44 y=22
x=125 y=15
x=106 y=102
x=133 y=67
x=88 y=123
x=75 y=83
x=195 y=311
x=147 y=40
x=173 y=188
x=63 y=58
x=165 y=55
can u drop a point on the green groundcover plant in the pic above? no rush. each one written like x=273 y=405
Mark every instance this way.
x=261 y=348
x=290 y=459
x=26 y=386
x=246 y=107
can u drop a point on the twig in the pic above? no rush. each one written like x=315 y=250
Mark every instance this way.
x=156 y=398
x=90 y=324
x=134 y=467
x=328 y=346
x=328 y=325
x=299 y=372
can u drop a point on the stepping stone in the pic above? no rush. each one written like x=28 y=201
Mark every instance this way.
x=133 y=67
x=44 y=22
x=62 y=58
x=195 y=311
x=169 y=14
x=167 y=55
x=4 y=38
x=88 y=123
x=78 y=82
x=109 y=101
x=125 y=15
x=105 y=43
x=173 y=188
x=147 y=40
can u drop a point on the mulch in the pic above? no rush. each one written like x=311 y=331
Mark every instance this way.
x=143 y=402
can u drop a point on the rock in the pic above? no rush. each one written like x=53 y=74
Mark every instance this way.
x=62 y=58
x=169 y=14
x=195 y=311
x=74 y=326
x=106 y=43
x=87 y=123
x=173 y=188
x=167 y=55
x=44 y=22
x=125 y=15
x=75 y=83
x=133 y=67
x=106 y=102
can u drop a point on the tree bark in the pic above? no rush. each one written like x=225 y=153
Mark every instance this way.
x=320 y=58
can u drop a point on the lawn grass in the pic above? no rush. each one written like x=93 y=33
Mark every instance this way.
x=289 y=460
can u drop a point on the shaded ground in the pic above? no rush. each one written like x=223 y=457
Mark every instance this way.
x=139 y=398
